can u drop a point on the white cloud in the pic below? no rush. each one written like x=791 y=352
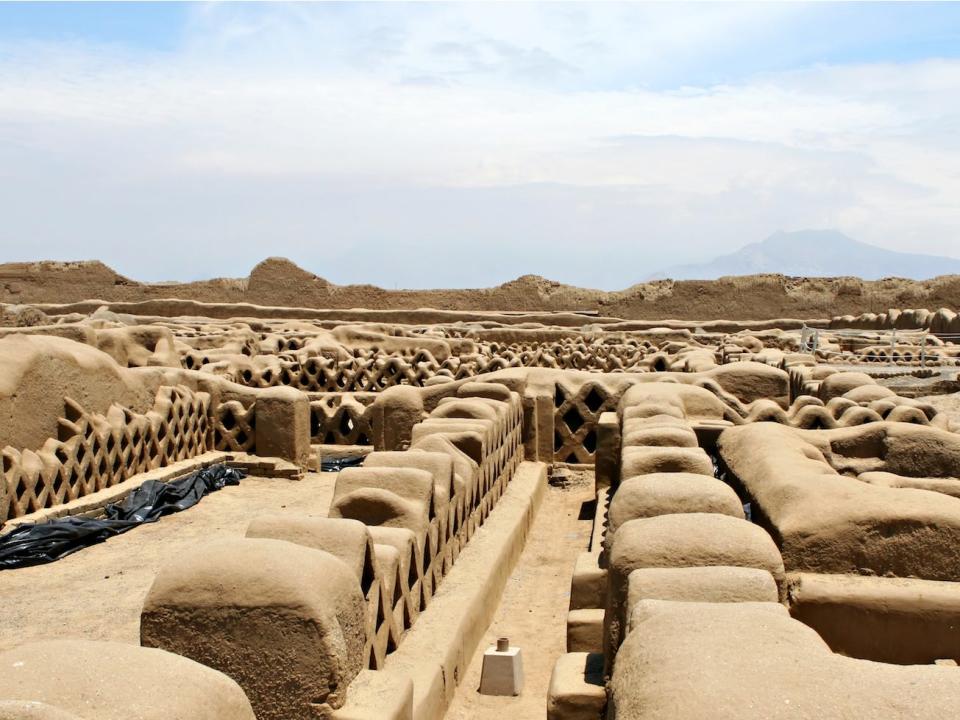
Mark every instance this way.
x=351 y=133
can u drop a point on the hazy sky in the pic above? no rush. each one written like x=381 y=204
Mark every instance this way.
x=427 y=145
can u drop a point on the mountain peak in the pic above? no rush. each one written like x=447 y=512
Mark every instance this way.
x=816 y=253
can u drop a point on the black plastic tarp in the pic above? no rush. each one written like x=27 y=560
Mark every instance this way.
x=39 y=543
x=338 y=464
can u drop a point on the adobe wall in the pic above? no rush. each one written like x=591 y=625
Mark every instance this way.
x=277 y=281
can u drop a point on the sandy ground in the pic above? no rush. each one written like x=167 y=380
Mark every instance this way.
x=97 y=593
x=949 y=404
x=533 y=608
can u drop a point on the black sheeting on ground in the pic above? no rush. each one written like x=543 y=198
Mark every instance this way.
x=39 y=543
x=338 y=464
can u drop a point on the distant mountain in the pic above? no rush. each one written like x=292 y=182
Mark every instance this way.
x=816 y=253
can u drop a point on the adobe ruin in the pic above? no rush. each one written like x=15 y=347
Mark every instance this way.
x=767 y=524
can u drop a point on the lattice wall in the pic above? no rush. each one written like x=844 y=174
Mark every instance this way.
x=398 y=602
x=318 y=374
x=342 y=419
x=98 y=451
x=370 y=371
x=234 y=427
x=577 y=412
x=572 y=354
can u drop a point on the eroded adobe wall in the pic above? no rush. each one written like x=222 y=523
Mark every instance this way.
x=278 y=282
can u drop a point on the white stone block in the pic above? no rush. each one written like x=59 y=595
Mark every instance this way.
x=502 y=672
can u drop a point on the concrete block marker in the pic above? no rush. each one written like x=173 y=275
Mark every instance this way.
x=502 y=672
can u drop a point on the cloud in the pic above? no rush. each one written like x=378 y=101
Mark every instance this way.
x=431 y=145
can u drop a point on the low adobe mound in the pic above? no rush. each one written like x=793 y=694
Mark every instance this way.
x=686 y=660
x=114 y=681
x=805 y=489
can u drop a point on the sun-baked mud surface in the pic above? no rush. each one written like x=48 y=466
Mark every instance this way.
x=277 y=281
x=97 y=593
x=533 y=608
x=946 y=404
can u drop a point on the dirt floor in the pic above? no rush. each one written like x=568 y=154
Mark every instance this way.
x=97 y=592
x=533 y=609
